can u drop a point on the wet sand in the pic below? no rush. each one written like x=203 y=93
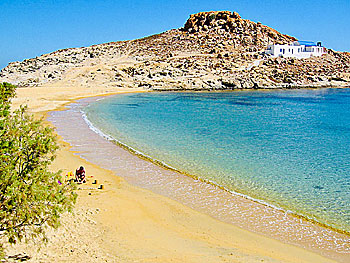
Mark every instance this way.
x=126 y=223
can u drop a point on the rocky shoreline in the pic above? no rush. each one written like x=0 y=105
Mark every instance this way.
x=213 y=51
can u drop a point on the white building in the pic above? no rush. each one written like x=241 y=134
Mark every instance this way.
x=299 y=49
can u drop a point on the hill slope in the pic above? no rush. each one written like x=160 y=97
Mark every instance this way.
x=213 y=51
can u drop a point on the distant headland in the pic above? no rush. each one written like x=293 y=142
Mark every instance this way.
x=215 y=50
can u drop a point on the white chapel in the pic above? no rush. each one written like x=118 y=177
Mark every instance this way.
x=298 y=49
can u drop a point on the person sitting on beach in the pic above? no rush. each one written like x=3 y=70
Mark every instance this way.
x=80 y=175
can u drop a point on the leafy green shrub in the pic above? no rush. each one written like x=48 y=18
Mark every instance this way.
x=212 y=17
x=31 y=196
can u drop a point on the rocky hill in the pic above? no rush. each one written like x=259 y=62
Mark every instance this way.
x=213 y=51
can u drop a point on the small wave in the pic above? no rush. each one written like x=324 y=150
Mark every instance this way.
x=123 y=145
x=94 y=128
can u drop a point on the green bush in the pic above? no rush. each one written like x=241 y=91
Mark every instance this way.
x=212 y=17
x=30 y=196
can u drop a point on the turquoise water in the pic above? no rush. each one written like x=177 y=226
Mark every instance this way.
x=290 y=149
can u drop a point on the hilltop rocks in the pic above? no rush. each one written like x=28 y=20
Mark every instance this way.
x=214 y=51
x=230 y=24
x=206 y=20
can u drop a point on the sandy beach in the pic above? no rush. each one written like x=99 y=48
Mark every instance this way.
x=125 y=223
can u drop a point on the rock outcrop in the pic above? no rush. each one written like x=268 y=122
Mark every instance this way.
x=244 y=32
x=213 y=51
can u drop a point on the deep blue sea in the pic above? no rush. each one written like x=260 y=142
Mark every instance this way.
x=287 y=148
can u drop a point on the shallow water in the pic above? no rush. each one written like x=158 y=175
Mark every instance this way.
x=290 y=149
x=201 y=196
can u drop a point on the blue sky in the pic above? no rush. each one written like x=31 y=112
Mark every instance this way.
x=31 y=28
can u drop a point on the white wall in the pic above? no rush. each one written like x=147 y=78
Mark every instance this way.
x=296 y=51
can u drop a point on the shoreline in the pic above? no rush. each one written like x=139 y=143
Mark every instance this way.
x=269 y=88
x=279 y=215
x=164 y=165
x=261 y=248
